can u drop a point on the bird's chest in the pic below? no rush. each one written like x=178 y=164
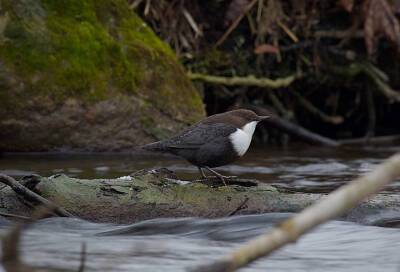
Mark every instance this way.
x=240 y=141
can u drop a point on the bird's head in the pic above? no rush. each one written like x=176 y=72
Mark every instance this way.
x=238 y=118
x=248 y=116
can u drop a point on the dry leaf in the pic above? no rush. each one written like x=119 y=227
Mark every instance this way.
x=266 y=49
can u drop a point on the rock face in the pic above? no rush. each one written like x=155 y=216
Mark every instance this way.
x=86 y=75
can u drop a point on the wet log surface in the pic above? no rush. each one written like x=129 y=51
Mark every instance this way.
x=159 y=193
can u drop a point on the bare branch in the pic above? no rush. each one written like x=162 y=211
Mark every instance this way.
x=245 y=81
x=235 y=23
x=32 y=196
x=336 y=119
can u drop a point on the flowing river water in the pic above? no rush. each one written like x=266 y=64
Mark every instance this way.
x=178 y=244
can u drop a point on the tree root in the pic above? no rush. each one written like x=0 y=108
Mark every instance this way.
x=294 y=129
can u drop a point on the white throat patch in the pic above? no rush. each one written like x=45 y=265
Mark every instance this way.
x=241 y=138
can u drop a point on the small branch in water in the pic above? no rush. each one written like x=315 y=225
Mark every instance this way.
x=9 y=244
x=335 y=204
x=245 y=81
x=83 y=258
x=11 y=258
x=32 y=196
x=14 y=216
x=240 y=207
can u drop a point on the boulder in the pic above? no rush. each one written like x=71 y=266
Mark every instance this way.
x=87 y=75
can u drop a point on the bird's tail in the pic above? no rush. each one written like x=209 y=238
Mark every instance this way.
x=154 y=147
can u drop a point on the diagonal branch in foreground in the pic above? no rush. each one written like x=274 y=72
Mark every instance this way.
x=20 y=189
x=245 y=81
x=334 y=205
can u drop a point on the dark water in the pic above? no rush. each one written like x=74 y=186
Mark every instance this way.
x=179 y=244
x=300 y=167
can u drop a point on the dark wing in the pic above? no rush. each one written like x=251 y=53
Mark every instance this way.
x=196 y=136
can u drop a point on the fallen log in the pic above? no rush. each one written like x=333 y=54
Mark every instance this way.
x=158 y=193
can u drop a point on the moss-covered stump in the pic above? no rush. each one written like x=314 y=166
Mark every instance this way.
x=86 y=75
x=159 y=194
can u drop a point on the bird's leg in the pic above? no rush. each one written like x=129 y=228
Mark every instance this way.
x=218 y=175
x=202 y=173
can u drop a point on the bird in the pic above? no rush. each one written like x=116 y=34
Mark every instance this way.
x=214 y=141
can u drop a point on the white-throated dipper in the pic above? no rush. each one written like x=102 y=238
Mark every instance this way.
x=214 y=141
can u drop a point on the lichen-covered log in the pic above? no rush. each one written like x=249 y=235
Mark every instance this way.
x=158 y=194
x=87 y=75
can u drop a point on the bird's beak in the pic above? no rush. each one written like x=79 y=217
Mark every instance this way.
x=262 y=118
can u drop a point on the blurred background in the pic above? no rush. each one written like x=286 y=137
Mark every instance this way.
x=342 y=55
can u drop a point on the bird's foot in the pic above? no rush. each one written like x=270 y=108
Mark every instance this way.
x=217 y=175
x=220 y=177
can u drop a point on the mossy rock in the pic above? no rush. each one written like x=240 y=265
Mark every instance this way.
x=86 y=74
x=159 y=193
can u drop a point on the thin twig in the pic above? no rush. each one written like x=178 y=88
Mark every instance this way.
x=235 y=23
x=337 y=34
x=371 y=71
x=240 y=207
x=288 y=31
x=10 y=254
x=279 y=106
x=83 y=258
x=14 y=216
x=192 y=22
x=246 y=81
x=9 y=244
x=32 y=196
x=135 y=4
x=371 y=114
x=336 y=120
x=334 y=205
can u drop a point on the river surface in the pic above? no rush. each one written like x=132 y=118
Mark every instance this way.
x=178 y=244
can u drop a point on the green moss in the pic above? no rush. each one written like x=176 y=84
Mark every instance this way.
x=91 y=50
